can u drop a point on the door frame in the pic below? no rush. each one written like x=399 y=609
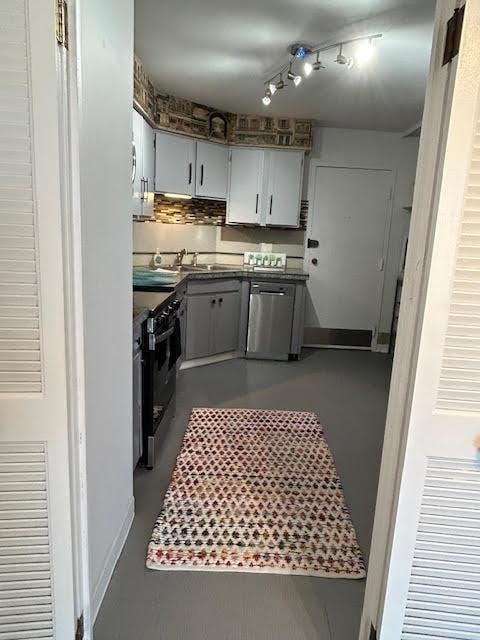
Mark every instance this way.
x=422 y=230
x=316 y=163
x=69 y=128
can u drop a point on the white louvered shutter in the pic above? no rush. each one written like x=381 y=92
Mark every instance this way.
x=36 y=593
x=433 y=584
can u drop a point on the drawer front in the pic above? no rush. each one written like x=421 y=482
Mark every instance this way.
x=213 y=286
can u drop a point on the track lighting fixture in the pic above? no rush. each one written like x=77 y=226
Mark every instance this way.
x=302 y=52
x=317 y=65
x=294 y=77
x=341 y=59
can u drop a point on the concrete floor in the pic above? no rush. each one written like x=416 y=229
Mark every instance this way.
x=348 y=390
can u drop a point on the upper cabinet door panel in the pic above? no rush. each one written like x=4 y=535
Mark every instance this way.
x=285 y=181
x=148 y=169
x=174 y=164
x=137 y=162
x=246 y=186
x=212 y=170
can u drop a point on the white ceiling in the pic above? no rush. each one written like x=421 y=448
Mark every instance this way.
x=220 y=52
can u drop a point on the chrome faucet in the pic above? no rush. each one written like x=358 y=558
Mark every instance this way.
x=195 y=259
x=180 y=255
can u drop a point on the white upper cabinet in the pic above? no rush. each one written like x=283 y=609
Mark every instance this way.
x=245 y=201
x=137 y=162
x=174 y=164
x=148 y=169
x=284 y=187
x=143 y=166
x=211 y=170
x=265 y=187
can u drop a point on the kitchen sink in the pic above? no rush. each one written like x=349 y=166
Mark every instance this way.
x=191 y=268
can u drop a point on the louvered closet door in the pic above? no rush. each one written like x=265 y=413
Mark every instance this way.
x=36 y=595
x=433 y=589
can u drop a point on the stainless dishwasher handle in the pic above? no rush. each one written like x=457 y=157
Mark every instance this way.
x=269 y=293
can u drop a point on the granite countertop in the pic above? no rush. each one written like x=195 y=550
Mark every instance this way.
x=144 y=301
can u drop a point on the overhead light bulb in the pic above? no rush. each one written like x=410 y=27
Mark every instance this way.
x=364 y=52
x=307 y=69
x=350 y=63
x=273 y=87
x=268 y=93
x=297 y=80
x=266 y=100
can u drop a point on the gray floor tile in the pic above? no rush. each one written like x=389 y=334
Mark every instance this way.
x=348 y=390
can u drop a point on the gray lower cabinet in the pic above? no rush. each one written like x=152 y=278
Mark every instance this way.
x=199 y=321
x=225 y=325
x=213 y=312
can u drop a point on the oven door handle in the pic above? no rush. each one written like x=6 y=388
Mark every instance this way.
x=154 y=340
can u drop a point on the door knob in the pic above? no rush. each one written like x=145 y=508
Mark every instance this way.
x=314 y=261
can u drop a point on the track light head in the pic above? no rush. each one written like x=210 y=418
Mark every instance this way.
x=317 y=65
x=273 y=87
x=280 y=84
x=294 y=78
x=266 y=100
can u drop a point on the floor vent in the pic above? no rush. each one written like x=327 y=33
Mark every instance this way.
x=26 y=609
x=444 y=591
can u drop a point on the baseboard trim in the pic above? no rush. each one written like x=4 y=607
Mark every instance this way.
x=336 y=347
x=201 y=362
x=112 y=559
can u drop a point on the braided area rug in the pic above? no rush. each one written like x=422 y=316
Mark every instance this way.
x=255 y=491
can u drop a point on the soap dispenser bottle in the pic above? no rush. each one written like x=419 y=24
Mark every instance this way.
x=157 y=260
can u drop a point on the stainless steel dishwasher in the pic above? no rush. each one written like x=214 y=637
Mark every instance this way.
x=270 y=320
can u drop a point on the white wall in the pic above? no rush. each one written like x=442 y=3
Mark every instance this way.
x=376 y=150
x=106 y=94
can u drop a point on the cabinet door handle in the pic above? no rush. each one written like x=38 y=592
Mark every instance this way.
x=256 y=204
x=201 y=175
x=189 y=173
x=142 y=182
x=220 y=301
x=271 y=204
x=214 y=301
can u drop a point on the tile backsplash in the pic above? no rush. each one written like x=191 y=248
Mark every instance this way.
x=199 y=211
x=195 y=211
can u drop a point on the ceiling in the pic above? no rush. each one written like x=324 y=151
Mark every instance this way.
x=220 y=52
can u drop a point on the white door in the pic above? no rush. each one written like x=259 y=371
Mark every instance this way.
x=212 y=170
x=285 y=182
x=349 y=216
x=246 y=193
x=36 y=577
x=174 y=164
x=137 y=174
x=148 y=169
x=433 y=582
